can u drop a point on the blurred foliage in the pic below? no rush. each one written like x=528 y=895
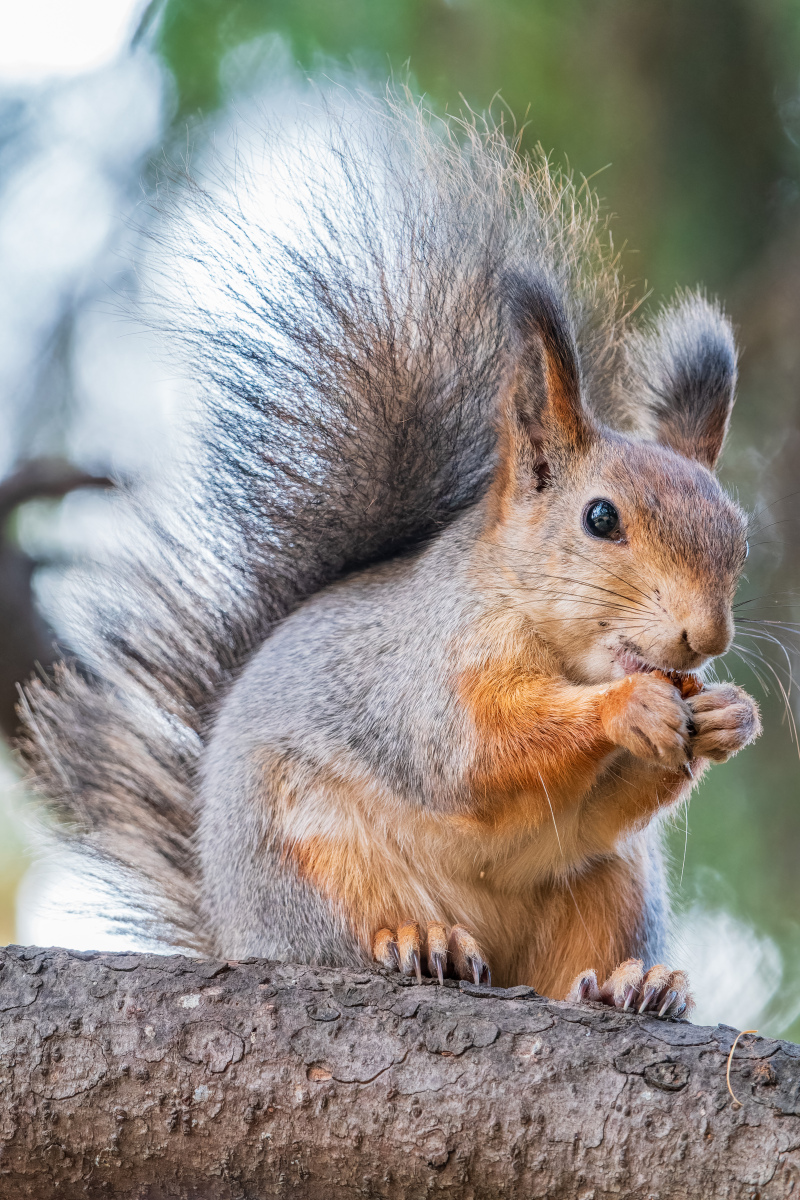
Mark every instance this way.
x=682 y=98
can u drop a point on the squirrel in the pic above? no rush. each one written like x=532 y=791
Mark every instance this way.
x=424 y=662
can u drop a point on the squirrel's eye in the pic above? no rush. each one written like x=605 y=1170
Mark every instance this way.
x=601 y=519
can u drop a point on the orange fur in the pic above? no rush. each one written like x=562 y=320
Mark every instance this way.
x=626 y=800
x=589 y=922
x=549 y=795
x=506 y=878
x=534 y=732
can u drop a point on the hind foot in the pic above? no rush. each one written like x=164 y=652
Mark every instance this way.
x=458 y=956
x=631 y=989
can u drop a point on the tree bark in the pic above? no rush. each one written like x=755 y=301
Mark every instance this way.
x=150 y=1076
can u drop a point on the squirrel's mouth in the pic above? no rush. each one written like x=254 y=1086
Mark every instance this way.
x=633 y=663
x=687 y=682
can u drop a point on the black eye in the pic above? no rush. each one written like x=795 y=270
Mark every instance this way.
x=601 y=519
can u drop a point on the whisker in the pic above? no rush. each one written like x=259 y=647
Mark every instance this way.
x=540 y=586
x=740 y=652
x=566 y=880
x=632 y=603
x=611 y=573
x=788 y=713
x=791 y=627
x=766 y=596
x=685 y=840
x=780 y=521
x=772 y=503
x=768 y=638
x=581 y=599
x=583 y=582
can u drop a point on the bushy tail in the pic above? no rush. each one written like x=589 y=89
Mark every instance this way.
x=337 y=292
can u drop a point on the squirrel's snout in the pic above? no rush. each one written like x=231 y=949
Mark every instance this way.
x=707 y=635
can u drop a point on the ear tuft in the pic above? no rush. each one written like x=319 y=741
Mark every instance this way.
x=546 y=390
x=681 y=378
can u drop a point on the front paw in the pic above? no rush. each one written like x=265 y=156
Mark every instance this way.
x=725 y=719
x=648 y=717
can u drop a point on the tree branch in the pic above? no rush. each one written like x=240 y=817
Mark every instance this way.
x=151 y=1076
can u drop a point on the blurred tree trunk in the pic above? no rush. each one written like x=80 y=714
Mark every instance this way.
x=26 y=642
x=150 y=1076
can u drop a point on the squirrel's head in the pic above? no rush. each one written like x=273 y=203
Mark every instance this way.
x=623 y=552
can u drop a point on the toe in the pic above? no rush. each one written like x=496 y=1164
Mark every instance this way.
x=467 y=957
x=622 y=987
x=584 y=988
x=654 y=988
x=385 y=949
x=717 y=744
x=436 y=941
x=676 y=1000
x=408 y=942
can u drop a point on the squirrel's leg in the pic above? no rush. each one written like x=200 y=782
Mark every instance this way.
x=627 y=797
x=556 y=738
x=630 y=748
x=613 y=910
x=633 y=790
x=257 y=898
x=270 y=892
x=600 y=936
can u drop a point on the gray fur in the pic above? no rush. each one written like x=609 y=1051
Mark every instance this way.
x=650 y=940
x=378 y=639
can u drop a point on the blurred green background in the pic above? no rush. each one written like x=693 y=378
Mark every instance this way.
x=685 y=114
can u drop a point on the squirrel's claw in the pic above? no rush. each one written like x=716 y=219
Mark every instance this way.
x=584 y=989
x=654 y=988
x=621 y=989
x=671 y=997
x=408 y=941
x=666 y=992
x=677 y=1000
x=467 y=957
x=660 y=991
x=385 y=950
x=437 y=950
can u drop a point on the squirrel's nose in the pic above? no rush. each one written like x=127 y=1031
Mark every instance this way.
x=707 y=635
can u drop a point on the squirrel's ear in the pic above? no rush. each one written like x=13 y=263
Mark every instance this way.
x=681 y=377
x=544 y=404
